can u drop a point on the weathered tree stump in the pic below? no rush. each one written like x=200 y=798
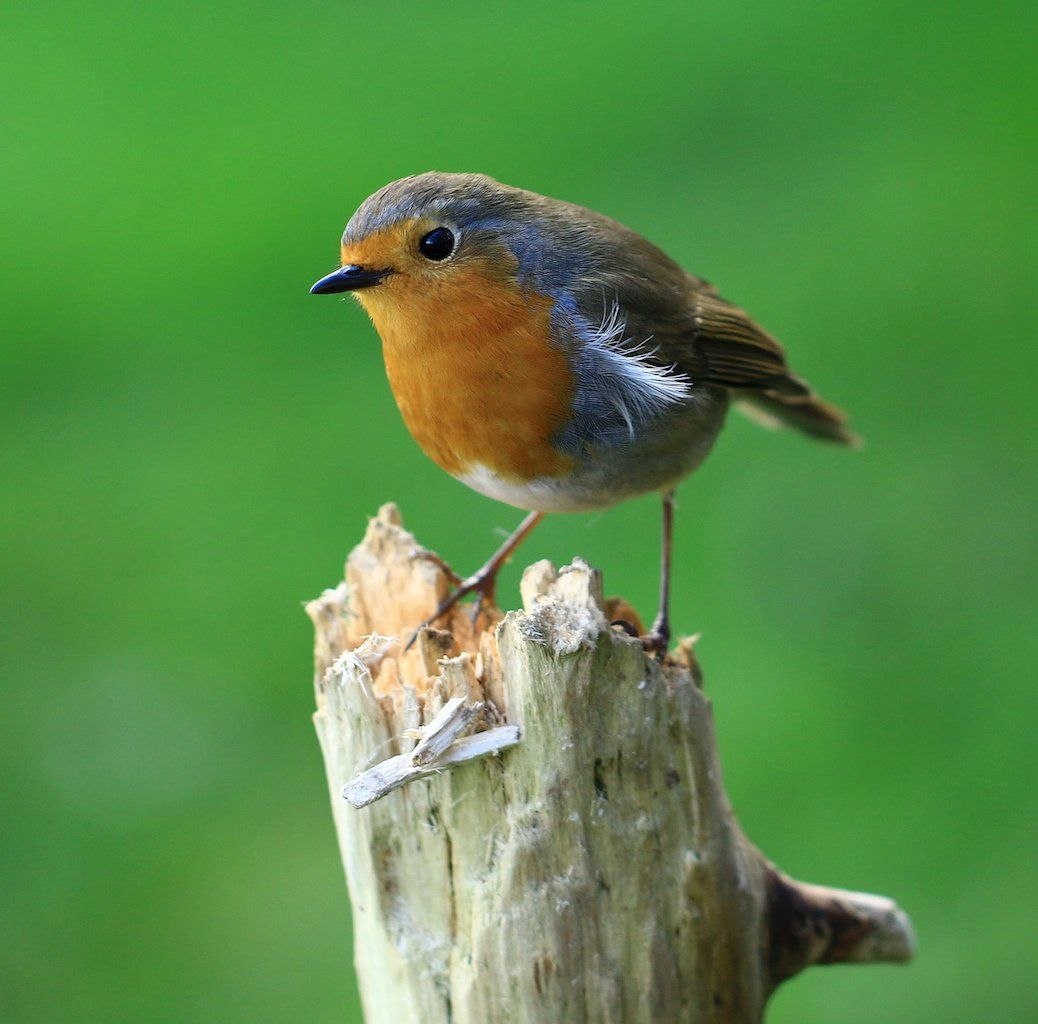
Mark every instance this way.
x=556 y=845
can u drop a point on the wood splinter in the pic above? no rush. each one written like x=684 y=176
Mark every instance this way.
x=440 y=746
x=592 y=872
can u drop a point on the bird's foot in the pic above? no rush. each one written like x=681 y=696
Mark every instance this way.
x=657 y=639
x=481 y=584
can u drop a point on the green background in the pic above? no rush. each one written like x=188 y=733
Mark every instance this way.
x=191 y=443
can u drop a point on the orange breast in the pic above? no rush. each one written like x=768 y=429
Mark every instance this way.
x=474 y=373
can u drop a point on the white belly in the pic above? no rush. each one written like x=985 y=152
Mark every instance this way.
x=543 y=494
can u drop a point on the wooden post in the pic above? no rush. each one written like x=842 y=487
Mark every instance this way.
x=548 y=839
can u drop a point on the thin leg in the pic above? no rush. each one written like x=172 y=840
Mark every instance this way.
x=483 y=579
x=659 y=636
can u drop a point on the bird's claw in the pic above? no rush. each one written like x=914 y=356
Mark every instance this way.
x=481 y=584
x=657 y=640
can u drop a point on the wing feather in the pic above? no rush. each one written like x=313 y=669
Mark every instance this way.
x=666 y=336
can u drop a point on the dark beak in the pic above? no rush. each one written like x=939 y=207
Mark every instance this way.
x=348 y=279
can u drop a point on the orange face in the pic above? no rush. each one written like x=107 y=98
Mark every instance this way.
x=469 y=354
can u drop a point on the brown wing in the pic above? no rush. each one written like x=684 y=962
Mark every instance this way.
x=726 y=348
x=690 y=327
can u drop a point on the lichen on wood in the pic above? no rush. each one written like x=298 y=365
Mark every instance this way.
x=593 y=871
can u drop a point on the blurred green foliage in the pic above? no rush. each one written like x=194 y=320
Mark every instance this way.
x=191 y=444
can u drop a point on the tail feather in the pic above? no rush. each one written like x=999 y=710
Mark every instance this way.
x=806 y=412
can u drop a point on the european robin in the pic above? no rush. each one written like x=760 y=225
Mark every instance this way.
x=553 y=359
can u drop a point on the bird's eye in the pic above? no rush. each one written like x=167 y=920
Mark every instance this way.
x=438 y=244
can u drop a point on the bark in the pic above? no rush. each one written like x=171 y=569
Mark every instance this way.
x=534 y=826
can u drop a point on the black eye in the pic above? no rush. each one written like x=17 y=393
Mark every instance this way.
x=437 y=245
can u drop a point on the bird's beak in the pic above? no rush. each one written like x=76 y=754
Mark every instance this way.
x=348 y=279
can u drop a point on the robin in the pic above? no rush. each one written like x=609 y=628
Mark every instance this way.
x=553 y=359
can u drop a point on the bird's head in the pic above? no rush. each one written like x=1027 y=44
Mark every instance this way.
x=423 y=243
x=423 y=235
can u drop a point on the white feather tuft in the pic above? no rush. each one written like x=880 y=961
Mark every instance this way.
x=643 y=389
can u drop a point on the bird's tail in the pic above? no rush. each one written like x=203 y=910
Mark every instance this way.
x=805 y=411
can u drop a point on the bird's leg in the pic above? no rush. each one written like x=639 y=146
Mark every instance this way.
x=658 y=637
x=482 y=581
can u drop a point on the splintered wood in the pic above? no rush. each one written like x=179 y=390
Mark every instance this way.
x=442 y=743
x=548 y=838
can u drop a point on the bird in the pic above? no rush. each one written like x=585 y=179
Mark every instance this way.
x=553 y=359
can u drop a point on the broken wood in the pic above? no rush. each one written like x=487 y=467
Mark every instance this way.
x=548 y=839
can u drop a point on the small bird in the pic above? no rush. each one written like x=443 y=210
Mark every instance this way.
x=553 y=359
